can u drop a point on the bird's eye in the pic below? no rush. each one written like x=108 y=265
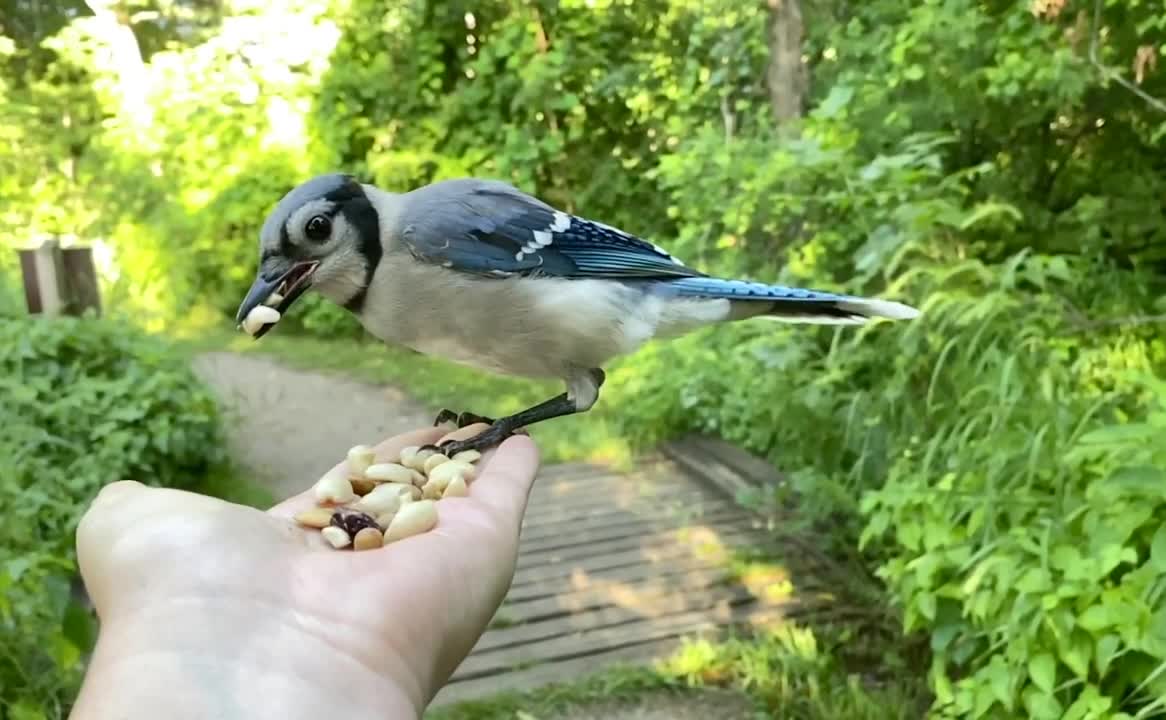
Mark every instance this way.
x=318 y=228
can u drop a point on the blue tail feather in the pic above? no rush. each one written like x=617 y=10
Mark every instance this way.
x=790 y=304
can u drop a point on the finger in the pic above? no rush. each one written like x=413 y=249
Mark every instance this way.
x=505 y=479
x=95 y=521
x=386 y=451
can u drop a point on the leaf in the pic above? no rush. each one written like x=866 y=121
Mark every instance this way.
x=23 y=710
x=1077 y=653
x=1097 y=617
x=925 y=602
x=1042 y=668
x=1158 y=550
x=1041 y=705
x=1034 y=581
x=1107 y=646
x=838 y=98
x=1120 y=435
x=987 y=210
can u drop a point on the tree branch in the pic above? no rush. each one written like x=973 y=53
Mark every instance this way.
x=1110 y=72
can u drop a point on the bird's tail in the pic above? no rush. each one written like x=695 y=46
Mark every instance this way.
x=788 y=304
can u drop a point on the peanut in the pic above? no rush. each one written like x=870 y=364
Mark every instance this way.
x=456 y=488
x=259 y=316
x=412 y=519
x=467 y=456
x=369 y=538
x=336 y=537
x=383 y=521
x=417 y=459
x=383 y=499
x=431 y=491
x=359 y=459
x=407 y=455
x=433 y=461
x=334 y=488
x=389 y=472
x=273 y=300
x=444 y=473
x=318 y=517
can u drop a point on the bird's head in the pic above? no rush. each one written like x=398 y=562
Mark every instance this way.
x=322 y=235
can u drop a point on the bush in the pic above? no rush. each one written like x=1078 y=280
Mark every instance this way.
x=981 y=455
x=86 y=402
x=1035 y=561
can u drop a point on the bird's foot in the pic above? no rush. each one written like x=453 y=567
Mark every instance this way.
x=462 y=419
x=488 y=438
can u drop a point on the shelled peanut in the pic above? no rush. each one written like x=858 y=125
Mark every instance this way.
x=365 y=504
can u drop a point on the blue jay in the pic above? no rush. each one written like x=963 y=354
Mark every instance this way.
x=483 y=274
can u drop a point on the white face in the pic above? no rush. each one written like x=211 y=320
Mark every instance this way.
x=319 y=231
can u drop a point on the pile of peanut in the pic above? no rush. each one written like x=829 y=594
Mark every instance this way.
x=365 y=505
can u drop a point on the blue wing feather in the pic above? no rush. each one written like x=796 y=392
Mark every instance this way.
x=490 y=227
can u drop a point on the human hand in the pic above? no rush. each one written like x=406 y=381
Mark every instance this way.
x=215 y=610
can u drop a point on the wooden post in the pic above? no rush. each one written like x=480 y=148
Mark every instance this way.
x=59 y=281
x=80 y=280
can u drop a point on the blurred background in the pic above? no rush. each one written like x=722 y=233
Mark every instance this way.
x=996 y=470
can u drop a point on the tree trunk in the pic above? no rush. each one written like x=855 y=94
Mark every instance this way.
x=131 y=68
x=787 y=77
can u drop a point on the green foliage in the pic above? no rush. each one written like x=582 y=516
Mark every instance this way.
x=86 y=403
x=1037 y=571
x=784 y=671
x=791 y=673
x=976 y=158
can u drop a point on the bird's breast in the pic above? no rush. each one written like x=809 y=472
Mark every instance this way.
x=516 y=326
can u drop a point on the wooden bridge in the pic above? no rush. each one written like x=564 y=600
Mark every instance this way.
x=620 y=567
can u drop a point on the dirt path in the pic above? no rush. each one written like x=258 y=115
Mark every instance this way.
x=288 y=426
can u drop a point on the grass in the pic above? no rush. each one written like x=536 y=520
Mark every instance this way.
x=235 y=486
x=783 y=672
x=435 y=383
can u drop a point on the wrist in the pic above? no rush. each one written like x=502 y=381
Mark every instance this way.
x=235 y=663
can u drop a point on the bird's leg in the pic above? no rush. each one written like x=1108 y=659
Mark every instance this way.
x=462 y=419
x=584 y=391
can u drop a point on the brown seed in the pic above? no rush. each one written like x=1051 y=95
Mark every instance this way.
x=369 y=538
x=352 y=521
x=362 y=486
x=319 y=517
x=336 y=536
x=433 y=461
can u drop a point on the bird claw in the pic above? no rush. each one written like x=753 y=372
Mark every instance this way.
x=490 y=437
x=462 y=419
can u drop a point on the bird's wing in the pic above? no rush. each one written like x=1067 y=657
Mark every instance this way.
x=489 y=227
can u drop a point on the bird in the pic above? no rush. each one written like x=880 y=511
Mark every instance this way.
x=486 y=275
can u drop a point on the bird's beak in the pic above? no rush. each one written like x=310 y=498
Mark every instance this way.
x=290 y=286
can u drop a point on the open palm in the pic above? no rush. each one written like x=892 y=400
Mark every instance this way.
x=405 y=614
